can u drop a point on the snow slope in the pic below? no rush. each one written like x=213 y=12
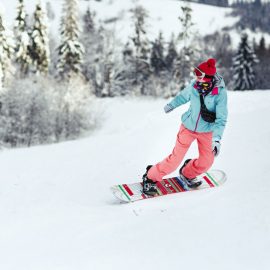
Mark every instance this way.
x=57 y=212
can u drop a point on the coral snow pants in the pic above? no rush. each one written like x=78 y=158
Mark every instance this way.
x=196 y=166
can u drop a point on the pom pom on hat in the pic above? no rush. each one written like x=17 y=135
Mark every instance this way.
x=211 y=62
x=208 y=67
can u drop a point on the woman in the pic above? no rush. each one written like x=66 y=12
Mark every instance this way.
x=204 y=121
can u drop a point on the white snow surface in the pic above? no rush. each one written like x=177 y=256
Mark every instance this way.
x=57 y=211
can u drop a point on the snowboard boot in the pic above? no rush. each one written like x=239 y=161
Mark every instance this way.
x=149 y=186
x=191 y=183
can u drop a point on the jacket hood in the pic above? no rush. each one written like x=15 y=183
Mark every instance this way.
x=219 y=82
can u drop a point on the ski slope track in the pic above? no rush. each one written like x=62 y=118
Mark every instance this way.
x=57 y=211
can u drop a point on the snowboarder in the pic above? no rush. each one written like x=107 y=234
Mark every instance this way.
x=204 y=121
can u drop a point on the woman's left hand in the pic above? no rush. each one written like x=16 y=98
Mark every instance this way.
x=216 y=147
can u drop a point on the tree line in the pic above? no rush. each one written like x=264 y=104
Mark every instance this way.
x=253 y=15
x=141 y=66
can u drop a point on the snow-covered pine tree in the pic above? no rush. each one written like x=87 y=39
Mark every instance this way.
x=141 y=44
x=263 y=53
x=20 y=20
x=125 y=72
x=106 y=62
x=187 y=24
x=160 y=75
x=22 y=40
x=90 y=40
x=40 y=52
x=243 y=65
x=171 y=55
x=107 y=90
x=99 y=58
x=6 y=53
x=157 y=55
x=71 y=49
x=184 y=60
x=89 y=24
x=172 y=87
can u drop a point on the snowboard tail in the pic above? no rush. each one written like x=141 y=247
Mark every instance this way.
x=133 y=192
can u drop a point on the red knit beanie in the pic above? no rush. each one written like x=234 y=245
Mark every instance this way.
x=208 y=67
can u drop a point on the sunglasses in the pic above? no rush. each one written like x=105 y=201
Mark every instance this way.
x=198 y=73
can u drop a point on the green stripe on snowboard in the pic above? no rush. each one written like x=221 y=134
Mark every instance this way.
x=212 y=179
x=120 y=186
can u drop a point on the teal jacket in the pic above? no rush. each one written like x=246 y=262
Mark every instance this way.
x=215 y=101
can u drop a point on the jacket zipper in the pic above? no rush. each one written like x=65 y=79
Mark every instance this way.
x=197 y=122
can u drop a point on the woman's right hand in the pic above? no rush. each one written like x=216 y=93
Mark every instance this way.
x=168 y=108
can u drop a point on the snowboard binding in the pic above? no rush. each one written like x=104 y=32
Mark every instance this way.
x=149 y=186
x=191 y=183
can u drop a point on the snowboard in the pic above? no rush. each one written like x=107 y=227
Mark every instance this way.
x=133 y=192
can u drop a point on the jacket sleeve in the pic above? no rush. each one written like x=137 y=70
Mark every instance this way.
x=221 y=115
x=182 y=98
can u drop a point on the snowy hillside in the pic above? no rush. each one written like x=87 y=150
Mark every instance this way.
x=115 y=14
x=57 y=212
x=208 y=19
